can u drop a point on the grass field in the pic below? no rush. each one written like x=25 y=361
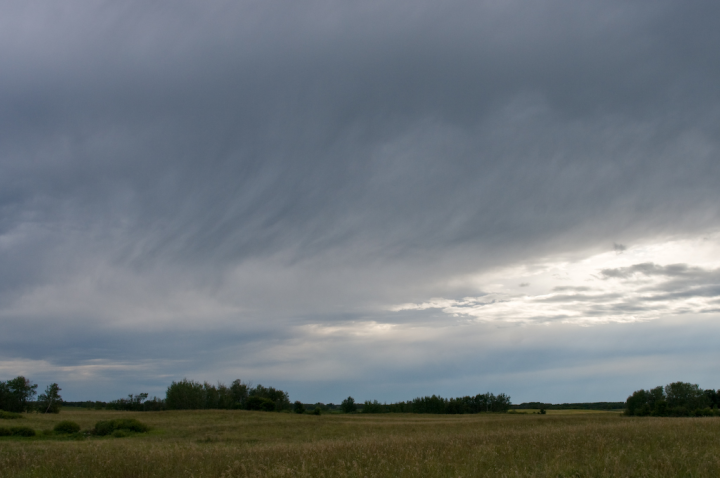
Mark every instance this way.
x=257 y=444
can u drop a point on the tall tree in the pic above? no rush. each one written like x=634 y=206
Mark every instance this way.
x=50 y=400
x=18 y=394
x=348 y=405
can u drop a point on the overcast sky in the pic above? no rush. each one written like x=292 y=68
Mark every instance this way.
x=367 y=198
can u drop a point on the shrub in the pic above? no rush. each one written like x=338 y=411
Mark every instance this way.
x=9 y=415
x=316 y=411
x=107 y=427
x=260 y=403
x=5 y=432
x=66 y=427
x=22 y=432
x=298 y=407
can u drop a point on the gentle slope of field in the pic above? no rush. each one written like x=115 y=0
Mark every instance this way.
x=239 y=443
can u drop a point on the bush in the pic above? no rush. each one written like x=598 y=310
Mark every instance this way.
x=298 y=407
x=107 y=427
x=260 y=403
x=5 y=432
x=316 y=411
x=9 y=415
x=66 y=427
x=22 y=432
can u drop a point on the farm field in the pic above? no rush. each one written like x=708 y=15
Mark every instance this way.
x=258 y=444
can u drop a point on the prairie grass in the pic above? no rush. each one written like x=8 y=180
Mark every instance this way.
x=257 y=444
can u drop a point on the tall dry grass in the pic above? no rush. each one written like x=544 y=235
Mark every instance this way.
x=256 y=444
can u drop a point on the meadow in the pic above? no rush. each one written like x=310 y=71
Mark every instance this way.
x=261 y=444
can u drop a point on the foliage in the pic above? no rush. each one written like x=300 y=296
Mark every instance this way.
x=22 y=431
x=484 y=402
x=278 y=397
x=134 y=403
x=316 y=411
x=677 y=399
x=373 y=407
x=66 y=427
x=107 y=427
x=49 y=401
x=298 y=407
x=9 y=415
x=191 y=395
x=570 y=406
x=348 y=405
x=260 y=403
x=16 y=395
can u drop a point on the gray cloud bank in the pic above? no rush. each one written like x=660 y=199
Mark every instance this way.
x=180 y=176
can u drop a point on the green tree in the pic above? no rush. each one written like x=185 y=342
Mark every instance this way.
x=635 y=402
x=278 y=397
x=298 y=407
x=185 y=395
x=17 y=395
x=239 y=392
x=50 y=400
x=348 y=405
x=685 y=395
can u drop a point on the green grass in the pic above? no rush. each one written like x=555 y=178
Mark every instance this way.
x=258 y=444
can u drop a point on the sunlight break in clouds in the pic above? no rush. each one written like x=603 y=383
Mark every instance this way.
x=630 y=284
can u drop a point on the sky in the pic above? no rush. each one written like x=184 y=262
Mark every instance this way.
x=373 y=199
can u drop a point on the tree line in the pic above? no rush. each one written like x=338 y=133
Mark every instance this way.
x=17 y=395
x=677 y=399
x=481 y=403
x=570 y=406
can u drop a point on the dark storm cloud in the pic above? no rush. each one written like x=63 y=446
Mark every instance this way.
x=314 y=161
x=228 y=130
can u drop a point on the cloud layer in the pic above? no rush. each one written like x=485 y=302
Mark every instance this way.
x=186 y=187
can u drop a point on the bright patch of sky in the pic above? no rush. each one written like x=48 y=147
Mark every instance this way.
x=629 y=284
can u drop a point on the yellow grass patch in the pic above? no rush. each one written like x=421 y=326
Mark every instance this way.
x=256 y=444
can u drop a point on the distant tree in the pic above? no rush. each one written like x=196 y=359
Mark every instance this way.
x=685 y=395
x=16 y=395
x=278 y=397
x=185 y=395
x=260 y=403
x=675 y=399
x=499 y=403
x=455 y=406
x=433 y=404
x=50 y=400
x=713 y=398
x=348 y=405
x=298 y=407
x=635 y=403
x=4 y=396
x=239 y=392
x=373 y=407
